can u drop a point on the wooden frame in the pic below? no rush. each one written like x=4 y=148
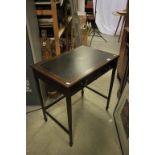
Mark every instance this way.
x=121 y=118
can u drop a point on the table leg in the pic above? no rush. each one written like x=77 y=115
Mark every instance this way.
x=111 y=85
x=82 y=92
x=41 y=99
x=69 y=114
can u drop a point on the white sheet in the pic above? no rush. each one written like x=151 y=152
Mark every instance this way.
x=105 y=20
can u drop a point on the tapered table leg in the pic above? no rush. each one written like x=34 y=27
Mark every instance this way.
x=111 y=85
x=69 y=114
x=41 y=99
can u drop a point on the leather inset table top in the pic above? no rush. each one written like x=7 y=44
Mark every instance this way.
x=76 y=64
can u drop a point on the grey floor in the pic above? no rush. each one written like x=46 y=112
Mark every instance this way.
x=94 y=132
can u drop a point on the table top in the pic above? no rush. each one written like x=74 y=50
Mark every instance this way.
x=74 y=65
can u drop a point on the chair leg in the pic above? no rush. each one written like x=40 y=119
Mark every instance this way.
x=118 y=24
x=121 y=29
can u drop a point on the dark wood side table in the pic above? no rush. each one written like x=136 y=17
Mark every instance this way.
x=71 y=72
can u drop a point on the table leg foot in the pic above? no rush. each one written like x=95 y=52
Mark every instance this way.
x=71 y=144
x=45 y=118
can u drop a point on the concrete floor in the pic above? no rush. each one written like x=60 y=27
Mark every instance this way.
x=94 y=132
